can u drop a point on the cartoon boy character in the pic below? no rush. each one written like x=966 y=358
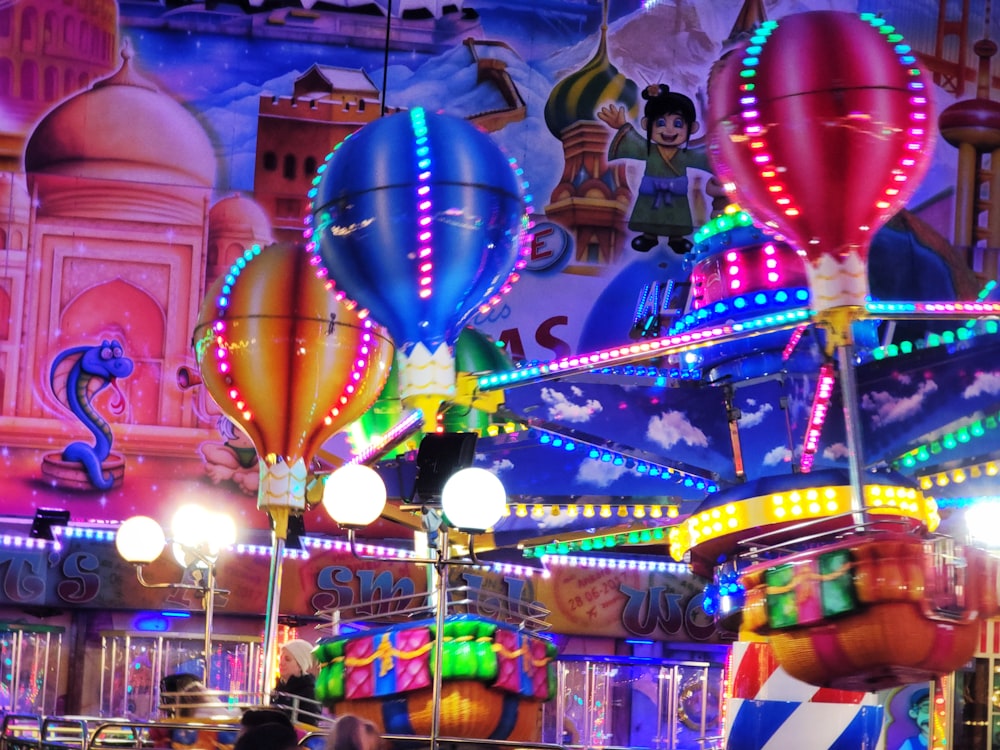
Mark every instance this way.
x=920 y=712
x=661 y=208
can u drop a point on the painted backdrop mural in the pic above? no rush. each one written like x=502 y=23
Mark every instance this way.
x=146 y=147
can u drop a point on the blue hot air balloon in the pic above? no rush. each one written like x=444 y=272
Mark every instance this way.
x=421 y=219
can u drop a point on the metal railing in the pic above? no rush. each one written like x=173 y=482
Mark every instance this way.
x=465 y=600
x=24 y=732
x=791 y=539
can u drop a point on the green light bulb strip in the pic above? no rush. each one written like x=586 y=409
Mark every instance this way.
x=983 y=294
x=945 y=338
x=950 y=441
x=598 y=543
x=722 y=224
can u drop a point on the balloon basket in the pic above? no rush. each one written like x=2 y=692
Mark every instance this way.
x=890 y=645
x=494 y=677
x=872 y=612
x=469 y=709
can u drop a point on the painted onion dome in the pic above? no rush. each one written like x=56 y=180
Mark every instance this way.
x=582 y=93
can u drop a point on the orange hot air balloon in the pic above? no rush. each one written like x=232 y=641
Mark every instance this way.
x=288 y=363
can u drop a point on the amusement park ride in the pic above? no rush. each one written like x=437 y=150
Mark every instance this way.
x=842 y=571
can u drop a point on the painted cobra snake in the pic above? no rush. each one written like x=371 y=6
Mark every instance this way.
x=77 y=375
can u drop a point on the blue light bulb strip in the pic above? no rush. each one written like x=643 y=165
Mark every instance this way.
x=641 y=466
x=745 y=304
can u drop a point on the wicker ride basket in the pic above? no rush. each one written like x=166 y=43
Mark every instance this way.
x=494 y=678
x=872 y=612
x=468 y=709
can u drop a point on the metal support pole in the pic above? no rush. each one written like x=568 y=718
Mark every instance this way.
x=271 y=619
x=852 y=426
x=441 y=591
x=733 y=417
x=209 y=615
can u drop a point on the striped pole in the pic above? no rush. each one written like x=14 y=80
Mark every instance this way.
x=767 y=709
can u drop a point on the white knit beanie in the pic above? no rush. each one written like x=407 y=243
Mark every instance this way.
x=302 y=652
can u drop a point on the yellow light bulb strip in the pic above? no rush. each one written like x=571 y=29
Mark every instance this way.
x=796 y=506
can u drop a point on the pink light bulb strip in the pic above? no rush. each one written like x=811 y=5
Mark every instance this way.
x=357 y=370
x=425 y=206
x=793 y=341
x=817 y=416
x=655 y=347
x=219 y=326
x=526 y=239
x=400 y=431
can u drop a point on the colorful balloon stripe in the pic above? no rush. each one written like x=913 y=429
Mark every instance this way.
x=282 y=358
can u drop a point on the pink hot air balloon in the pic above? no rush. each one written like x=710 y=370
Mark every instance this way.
x=823 y=124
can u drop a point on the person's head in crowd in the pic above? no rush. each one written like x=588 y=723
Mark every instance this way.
x=373 y=740
x=352 y=733
x=177 y=682
x=254 y=717
x=273 y=735
x=296 y=659
x=183 y=690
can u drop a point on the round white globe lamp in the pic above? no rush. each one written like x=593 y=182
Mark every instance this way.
x=199 y=534
x=473 y=500
x=221 y=533
x=140 y=540
x=982 y=522
x=354 y=495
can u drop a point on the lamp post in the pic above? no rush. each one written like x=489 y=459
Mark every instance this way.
x=197 y=537
x=472 y=501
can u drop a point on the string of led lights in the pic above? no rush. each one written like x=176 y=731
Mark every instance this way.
x=696 y=339
x=571 y=440
x=817 y=416
x=592 y=510
x=630 y=353
x=656 y=565
x=975 y=469
x=399 y=432
x=598 y=542
x=970 y=331
x=948 y=441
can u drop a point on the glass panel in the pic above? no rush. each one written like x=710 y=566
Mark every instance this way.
x=114 y=699
x=599 y=730
x=698 y=706
x=183 y=655
x=29 y=678
x=973 y=686
x=639 y=713
x=8 y=650
x=643 y=704
x=133 y=666
x=582 y=702
x=235 y=667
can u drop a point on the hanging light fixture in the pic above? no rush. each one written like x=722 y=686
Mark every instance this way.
x=473 y=500
x=354 y=495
